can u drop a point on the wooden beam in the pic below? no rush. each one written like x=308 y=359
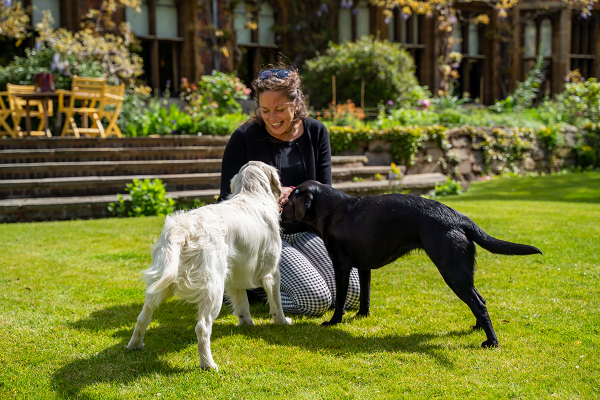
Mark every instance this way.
x=562 y=55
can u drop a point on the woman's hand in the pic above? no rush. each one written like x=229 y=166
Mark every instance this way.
x=285 y=193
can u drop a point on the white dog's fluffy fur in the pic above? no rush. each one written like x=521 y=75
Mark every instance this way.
x=231 y=246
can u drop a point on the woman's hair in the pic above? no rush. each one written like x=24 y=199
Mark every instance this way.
x=290 y=85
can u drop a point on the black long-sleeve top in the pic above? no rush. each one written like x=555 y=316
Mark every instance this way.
x=306 y=158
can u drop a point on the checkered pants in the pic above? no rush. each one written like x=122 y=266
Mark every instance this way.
x=307 y=277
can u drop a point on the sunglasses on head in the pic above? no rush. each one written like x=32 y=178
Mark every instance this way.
x=279 y=73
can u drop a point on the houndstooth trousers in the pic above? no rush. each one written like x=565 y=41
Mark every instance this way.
x=307 y=277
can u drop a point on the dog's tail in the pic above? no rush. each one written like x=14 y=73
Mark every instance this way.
x=491 y=244
x=165 y=262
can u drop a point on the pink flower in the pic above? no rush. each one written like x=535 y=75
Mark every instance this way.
x=487 y=178
x=247 y=91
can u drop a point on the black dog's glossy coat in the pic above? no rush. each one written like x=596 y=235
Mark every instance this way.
x=372 y=231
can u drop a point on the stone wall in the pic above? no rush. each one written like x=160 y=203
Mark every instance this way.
x=467 y=162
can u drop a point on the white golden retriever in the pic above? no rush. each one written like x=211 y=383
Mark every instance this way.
x=231 y=246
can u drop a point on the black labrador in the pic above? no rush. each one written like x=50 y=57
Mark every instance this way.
x=372 y=231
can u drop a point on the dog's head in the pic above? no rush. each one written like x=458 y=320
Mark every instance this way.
x=256 y=177
x=299 y=203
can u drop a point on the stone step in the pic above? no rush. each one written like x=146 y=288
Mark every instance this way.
x=100 y=185
x=54 y=169
x=146 y=141
x=109 y=154
x=343 y=174
x=88 y=182
x=107 y=168
x=86 y=207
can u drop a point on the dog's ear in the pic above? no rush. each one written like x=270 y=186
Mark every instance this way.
x=302 y=203
x=275 y=184
x=235 y=182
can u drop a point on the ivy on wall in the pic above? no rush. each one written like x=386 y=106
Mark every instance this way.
x=508 y=146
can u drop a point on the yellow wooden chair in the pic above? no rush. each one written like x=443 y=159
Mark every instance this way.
x=19 y=110
x=113 y=100
x=5 y=112
x=86 y=97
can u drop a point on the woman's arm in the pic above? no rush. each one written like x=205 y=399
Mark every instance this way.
x=234 y=157
x=323 y=154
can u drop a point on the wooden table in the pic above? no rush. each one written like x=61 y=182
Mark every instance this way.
x=45 y=97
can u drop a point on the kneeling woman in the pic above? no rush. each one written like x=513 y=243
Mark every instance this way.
x=282 y=135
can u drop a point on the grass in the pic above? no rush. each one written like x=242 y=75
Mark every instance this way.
x=70 y=293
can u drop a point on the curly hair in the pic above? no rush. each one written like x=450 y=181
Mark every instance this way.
x=291 y=86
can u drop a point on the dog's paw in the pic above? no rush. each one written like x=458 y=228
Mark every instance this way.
x=489 y=343
x=360 y=314
x=288 y=321
x=477 y=326
x=209 y=367
x=245 y=322
x=330 y=323
x=135 y=346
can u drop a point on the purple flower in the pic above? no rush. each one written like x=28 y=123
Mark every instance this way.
x=455 y=65
x=387 y=20
x=346 y=4
x=452 y=20
x=324 y=8
x=405 y=16
x=168 y=82
x=38 y=46
x=319 y=13
x=390 y=102
x=298 y=27
x=355 y=11
x=173 y=121
x=7 y=3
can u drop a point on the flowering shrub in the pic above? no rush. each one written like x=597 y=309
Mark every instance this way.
x=215 y=95
x=387 y=69
x=14 y=19
x=580 y=100
x=45 y=60
x=99 y=41
x=346 y=114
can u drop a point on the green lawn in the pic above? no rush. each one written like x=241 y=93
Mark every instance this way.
x=70 y=293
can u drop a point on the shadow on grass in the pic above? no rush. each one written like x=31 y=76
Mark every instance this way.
x=576 y=187
x=172 y=331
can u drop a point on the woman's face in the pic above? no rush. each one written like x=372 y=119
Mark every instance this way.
x=277 y=111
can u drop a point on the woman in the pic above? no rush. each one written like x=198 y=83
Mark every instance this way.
x=282 y=135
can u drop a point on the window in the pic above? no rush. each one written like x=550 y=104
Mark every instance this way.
x=41 y=5
x=354 y=23
x=140 y=22
x=266 y=20
x=345 y=25
x=530 y=39
x=408 y=30
x=582 y=44
x=257 y=46
x=166 y=19
x=458 y=38
x=473 y=39
x=546 y=38
x=240 y=18
x=537 y=36
x=157 y=27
